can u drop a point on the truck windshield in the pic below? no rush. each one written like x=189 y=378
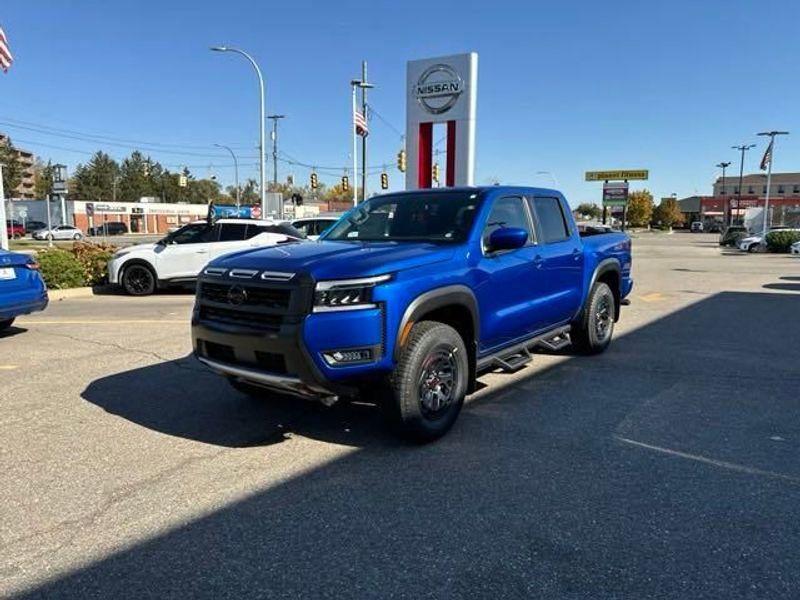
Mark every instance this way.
x=425 y=216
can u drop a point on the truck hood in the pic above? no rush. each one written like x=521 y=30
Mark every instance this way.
x=336 y=260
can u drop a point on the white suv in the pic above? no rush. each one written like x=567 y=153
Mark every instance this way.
x=179 y=257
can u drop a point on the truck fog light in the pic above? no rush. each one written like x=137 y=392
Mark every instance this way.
x=344 y=357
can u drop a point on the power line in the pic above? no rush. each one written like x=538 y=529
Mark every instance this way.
x=385 y=121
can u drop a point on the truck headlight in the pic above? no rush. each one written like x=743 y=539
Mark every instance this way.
x=346 y=294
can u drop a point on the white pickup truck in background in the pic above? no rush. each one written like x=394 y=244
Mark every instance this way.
x=180 y=256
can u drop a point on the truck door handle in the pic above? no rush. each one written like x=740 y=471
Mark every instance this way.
x=538 y=261
x=201 y=251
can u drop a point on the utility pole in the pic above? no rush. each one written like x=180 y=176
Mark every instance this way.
x=743 y=148
x=770 y=152
x=723 y=166
x=361 y=83
x=275 y=147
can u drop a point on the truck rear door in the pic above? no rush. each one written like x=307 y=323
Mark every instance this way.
x=560 y=255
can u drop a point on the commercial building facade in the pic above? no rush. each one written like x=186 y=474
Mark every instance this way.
x=25 y=189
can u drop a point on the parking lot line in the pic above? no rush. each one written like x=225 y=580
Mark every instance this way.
x=8 y=367
x=98 y=322
x=652 y=297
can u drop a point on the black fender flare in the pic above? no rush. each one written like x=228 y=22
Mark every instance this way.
x=428 y=301
x=604 y=266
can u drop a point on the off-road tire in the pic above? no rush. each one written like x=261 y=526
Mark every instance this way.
x=429 y=343
x=586 y=339
x=138 y=280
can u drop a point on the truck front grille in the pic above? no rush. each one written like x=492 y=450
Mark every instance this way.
x=251 y=320
x=246 y=295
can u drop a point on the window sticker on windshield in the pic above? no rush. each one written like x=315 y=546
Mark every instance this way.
x=352 y=234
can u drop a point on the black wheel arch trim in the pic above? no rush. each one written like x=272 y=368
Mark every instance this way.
x=437 y=298
x=604 y=266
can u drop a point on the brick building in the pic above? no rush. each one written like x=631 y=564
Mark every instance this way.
x=25 y=189
x=140 y=217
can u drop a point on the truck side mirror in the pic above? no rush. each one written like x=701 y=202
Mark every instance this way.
x=507 y=238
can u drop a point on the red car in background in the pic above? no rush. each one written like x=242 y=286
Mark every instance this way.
x=15 y=230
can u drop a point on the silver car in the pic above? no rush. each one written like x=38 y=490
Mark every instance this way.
x=59 y=232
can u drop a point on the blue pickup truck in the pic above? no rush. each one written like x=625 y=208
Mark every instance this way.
x=409 y=297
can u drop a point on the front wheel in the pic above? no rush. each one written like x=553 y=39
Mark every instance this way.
x=138 y=280
x=428 y=386
x=753 y=248
x=592 y=333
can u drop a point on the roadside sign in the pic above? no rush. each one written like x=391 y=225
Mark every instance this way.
x=638 y=174
x=615 y=194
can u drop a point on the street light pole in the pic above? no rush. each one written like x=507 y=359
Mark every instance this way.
x=275 y=148
x=743 y=148
x=235 y=175
x=360 y=83
x=723 y=166
x=771 y=151
x=261 y=119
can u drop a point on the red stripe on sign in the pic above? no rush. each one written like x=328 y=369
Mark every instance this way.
x=425 y=156
x=450 y=176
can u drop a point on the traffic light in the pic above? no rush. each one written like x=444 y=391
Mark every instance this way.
x=314 y=181
x=384 y=181
x=345 y=183
x=297 y=199
x=401 y=161
x=290 y=180
x=435 y=172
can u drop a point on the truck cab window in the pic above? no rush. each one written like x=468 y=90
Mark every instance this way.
x=552 y=225
x=507 y=212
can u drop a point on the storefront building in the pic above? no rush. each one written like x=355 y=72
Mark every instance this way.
x=139 y=217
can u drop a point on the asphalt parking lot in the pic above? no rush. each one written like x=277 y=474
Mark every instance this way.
x=668 y=467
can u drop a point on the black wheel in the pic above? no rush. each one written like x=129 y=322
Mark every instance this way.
x=17 y=236
x=77 y=236
x=752 y=248
x=592 y=333
x=5 y=324
x=428 y=385
x=138 y=280
x=49 y=237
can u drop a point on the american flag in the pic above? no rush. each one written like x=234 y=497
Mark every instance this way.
x=767 y=157
x=6 y=58
x=361 y=124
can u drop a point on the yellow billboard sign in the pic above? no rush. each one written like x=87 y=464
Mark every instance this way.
x=639 y=174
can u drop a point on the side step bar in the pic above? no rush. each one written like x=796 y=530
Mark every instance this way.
x=517 y=356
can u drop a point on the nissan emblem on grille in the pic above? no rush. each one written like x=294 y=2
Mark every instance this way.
x=237 y=295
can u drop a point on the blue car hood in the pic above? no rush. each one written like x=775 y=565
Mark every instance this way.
x=334 y=260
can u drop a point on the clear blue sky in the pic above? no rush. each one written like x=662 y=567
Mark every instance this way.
x=563 y=86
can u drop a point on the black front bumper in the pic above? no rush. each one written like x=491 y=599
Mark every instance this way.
x=260 y=344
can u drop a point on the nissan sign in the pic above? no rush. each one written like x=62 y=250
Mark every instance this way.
x=438 y=88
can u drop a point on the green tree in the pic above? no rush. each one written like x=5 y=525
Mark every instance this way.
x=12 y=168
x=95 y=180
x=42 y=179
x=138 y=177
x=589 y=209
x=640 y=208
x=668 y=213
x=200 y=191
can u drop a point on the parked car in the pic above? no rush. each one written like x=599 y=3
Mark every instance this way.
x=313 y=227
x=22 y=289
x=697 y=227
x=408 y=297
x=713 y=227
x=15 y=230
x=731 y=236
x=756 y=242
x=59 y=232
x=109 y=228
x=180 y=256
x=795 y=249
x=31 y=226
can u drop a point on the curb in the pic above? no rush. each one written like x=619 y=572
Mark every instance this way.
x=81 y=292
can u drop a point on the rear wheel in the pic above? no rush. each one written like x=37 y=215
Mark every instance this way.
x=138 y=280
x=428 y=386
x=592 y=333
x=753 y=248
x=5 y=324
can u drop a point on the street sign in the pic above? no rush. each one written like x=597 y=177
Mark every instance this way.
x=639 y=174
x=615 y=194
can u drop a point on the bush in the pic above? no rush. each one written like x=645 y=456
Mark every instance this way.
x=94 y=260
x=779 y=241
x=61 y=269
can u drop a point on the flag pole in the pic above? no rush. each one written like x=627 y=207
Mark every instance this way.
x=3 y=228
x=769 y=155
x=355 y=146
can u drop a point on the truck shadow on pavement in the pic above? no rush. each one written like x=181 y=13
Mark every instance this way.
x=668 y=466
